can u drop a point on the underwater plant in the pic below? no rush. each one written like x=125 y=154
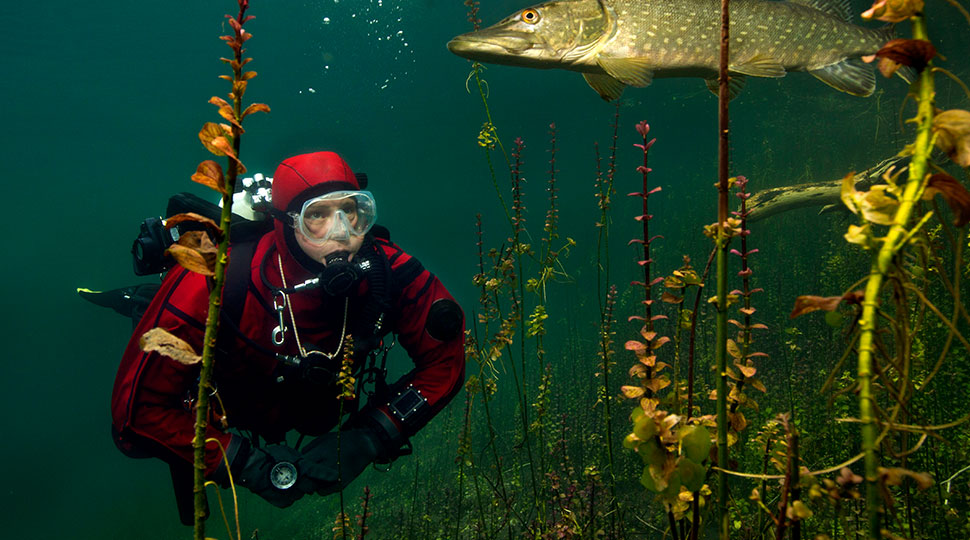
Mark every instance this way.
x=196 y=251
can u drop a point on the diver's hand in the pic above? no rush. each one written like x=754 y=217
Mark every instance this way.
x=257 y=467
x=358 y=448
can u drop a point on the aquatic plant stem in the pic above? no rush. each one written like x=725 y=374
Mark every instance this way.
x=881 y=262
x=722 y=253
x=215 y=294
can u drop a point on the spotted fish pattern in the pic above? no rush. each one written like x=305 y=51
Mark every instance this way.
x=619 y=43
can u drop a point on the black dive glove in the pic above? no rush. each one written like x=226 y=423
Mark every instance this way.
x=370 y=438
x=274 y=472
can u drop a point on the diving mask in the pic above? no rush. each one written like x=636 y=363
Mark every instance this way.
x=336 y=216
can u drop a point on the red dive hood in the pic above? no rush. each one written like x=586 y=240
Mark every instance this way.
x=300 y=178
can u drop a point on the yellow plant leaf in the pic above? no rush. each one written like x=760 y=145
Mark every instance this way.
x=878 y=207
x=861 y=235
x=893 y=11
x=848 y=193
x=164 y=343
x=952 y=129
x=632 y=392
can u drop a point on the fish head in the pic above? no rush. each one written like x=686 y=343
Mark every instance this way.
x=553 y=34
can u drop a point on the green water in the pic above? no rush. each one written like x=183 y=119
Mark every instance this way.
x=101 y=104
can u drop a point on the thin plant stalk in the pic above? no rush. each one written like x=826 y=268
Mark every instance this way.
x=881 y=263
x=215 y=295
x=722 y=285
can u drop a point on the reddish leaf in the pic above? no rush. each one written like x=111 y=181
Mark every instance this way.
x=808 y=303
x=955 y=194
x=209 y=173
x=634 y=345
x=915 y=53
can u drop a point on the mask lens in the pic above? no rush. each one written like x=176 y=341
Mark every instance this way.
x=336 y=216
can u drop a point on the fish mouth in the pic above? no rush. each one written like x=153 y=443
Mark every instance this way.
x=493 y=47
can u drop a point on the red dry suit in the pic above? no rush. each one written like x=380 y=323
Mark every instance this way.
x=153 y=397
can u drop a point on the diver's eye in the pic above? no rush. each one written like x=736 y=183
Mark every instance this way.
x=530 y=16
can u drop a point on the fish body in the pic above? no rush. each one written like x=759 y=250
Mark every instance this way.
x=616 y=43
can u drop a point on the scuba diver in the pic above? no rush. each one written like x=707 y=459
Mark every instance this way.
x=324 y=274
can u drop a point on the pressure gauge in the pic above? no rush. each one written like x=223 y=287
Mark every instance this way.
x=283 y=475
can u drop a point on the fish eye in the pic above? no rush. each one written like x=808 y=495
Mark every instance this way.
x=529 y=15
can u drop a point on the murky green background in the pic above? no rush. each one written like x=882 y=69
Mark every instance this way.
x=100 y=105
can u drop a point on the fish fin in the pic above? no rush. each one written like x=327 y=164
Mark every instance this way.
x=839 y=8
x=907 y=74
x=631 y=71
x=735 y=84
x=607 y=87
x=760 y=65
x=852 y=76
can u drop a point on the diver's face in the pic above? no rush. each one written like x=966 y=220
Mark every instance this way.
x=319 y=253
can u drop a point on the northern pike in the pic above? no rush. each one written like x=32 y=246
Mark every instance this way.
x=616 y=43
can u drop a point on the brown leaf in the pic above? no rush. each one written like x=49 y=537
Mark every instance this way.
x=224 y=146
x=955 y=194
x=219 y=102
x=239 y=89
x=255 y=107
x=178 y=219
x=952 y=130
x=248 y=75
x=657 y=384
x=161 y=341
x=808 y=303
x=915 y=53
x=209 y=174
x=225 y=109
x=209 y=133
x=893 y=11
x=738 y=421
x=671 y=299
x=195 y=252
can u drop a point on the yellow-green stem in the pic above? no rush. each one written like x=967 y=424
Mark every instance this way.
x=881 y=262
x=215 y=308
